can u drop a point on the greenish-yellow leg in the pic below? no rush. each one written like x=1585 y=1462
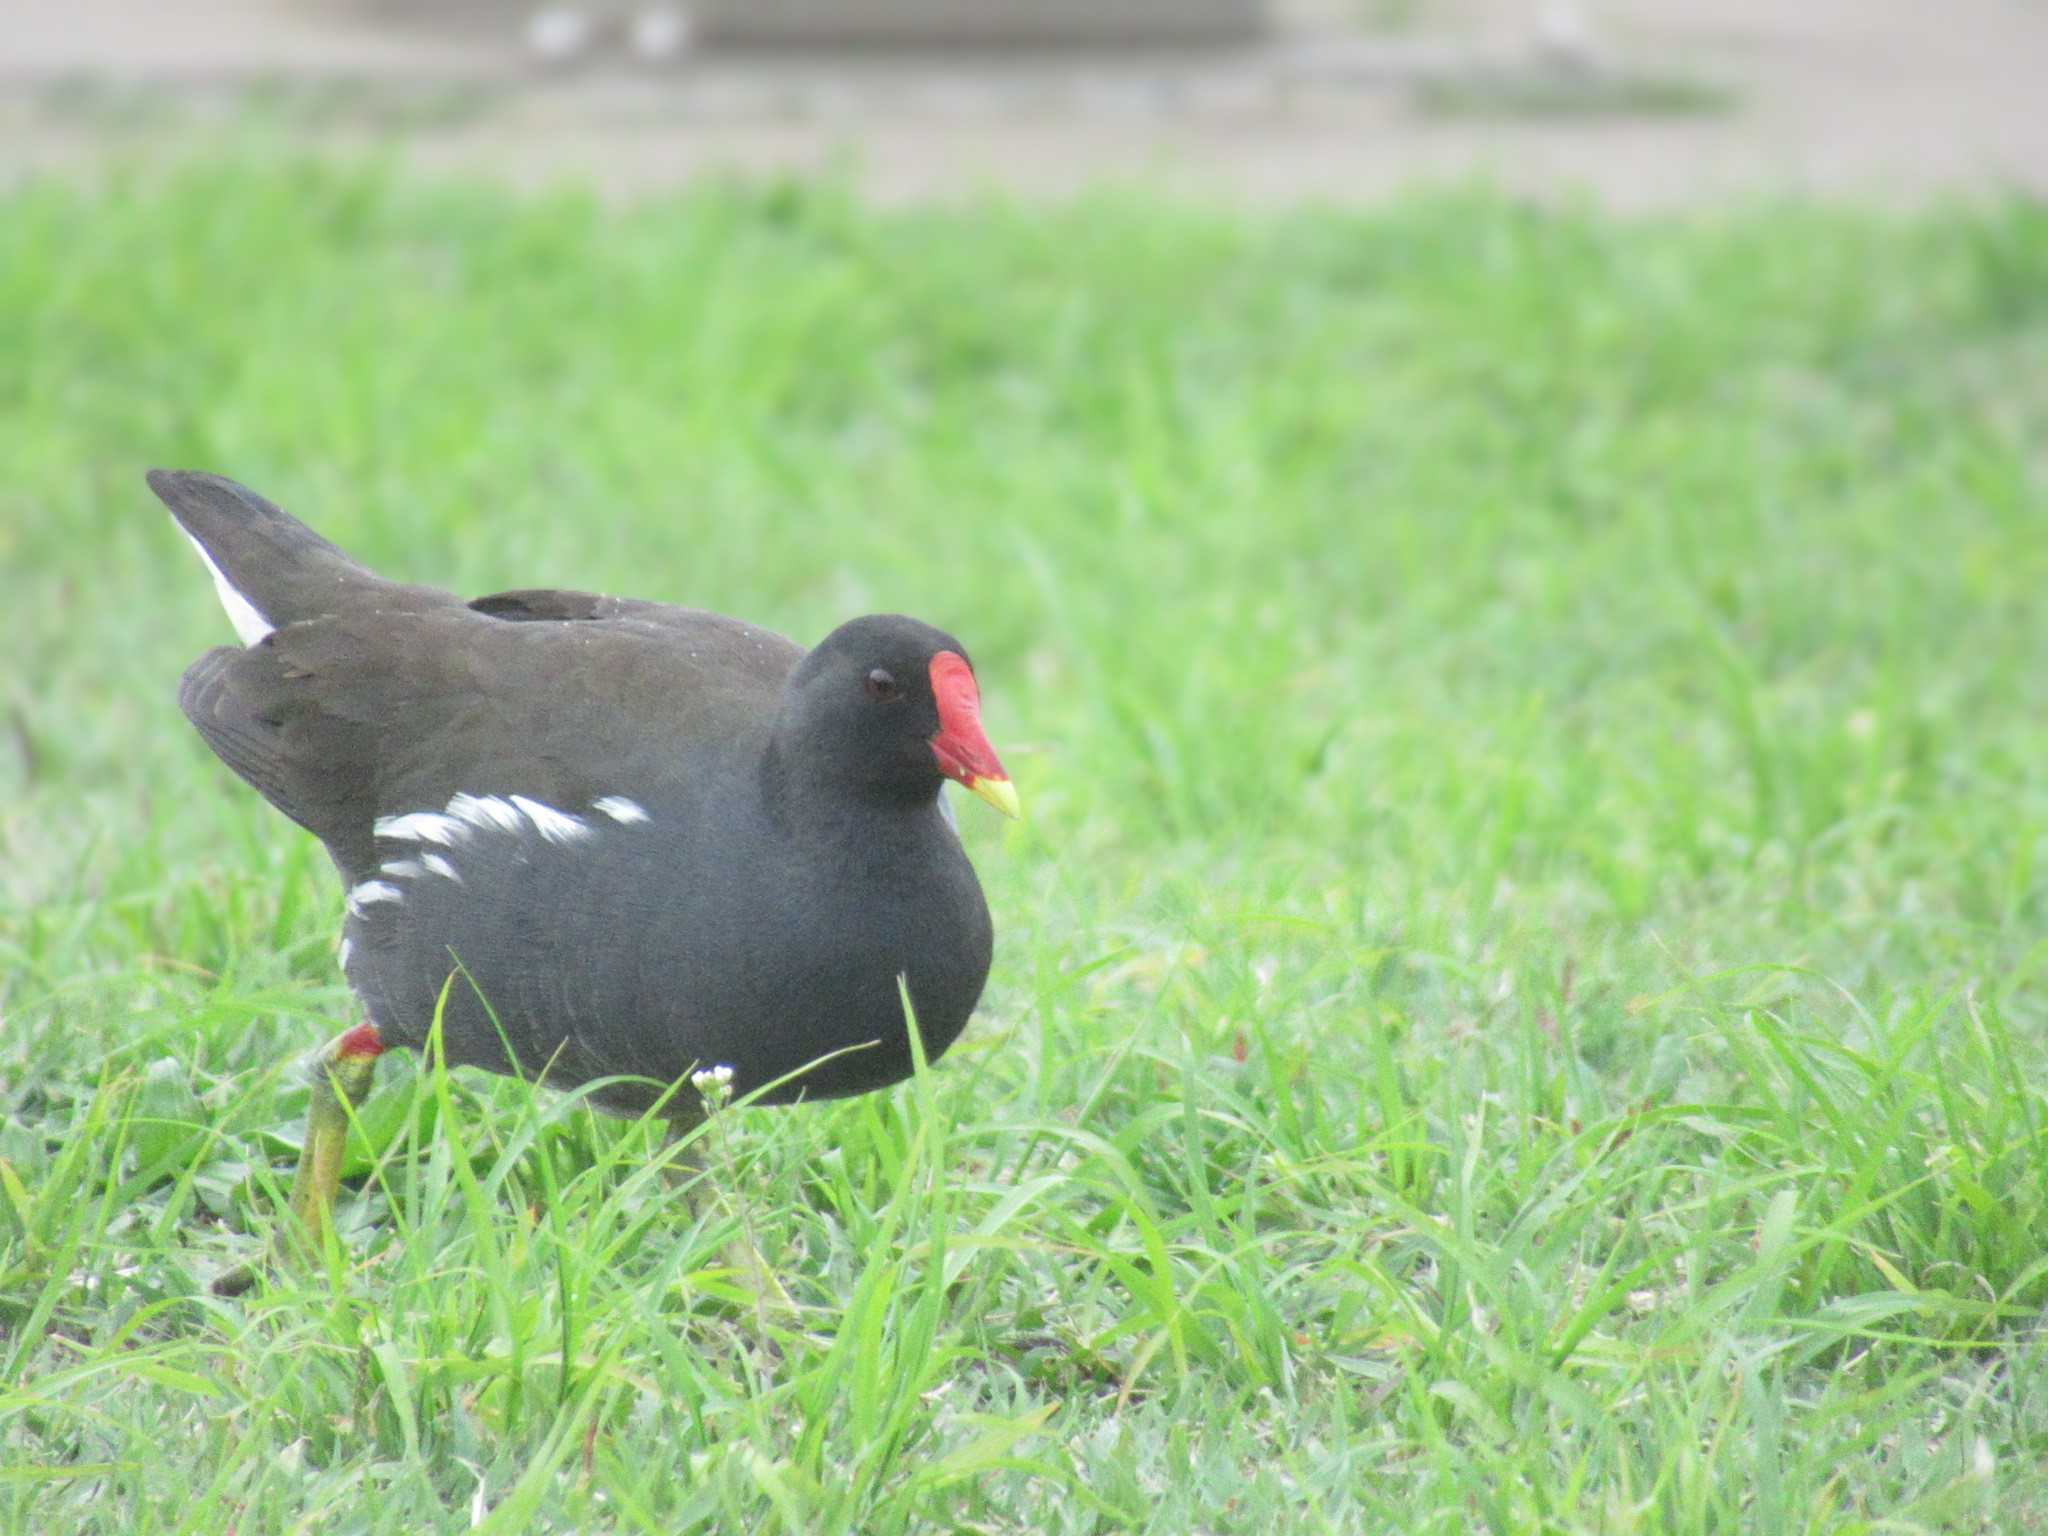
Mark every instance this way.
x=341 y=1080
x=342 y=1074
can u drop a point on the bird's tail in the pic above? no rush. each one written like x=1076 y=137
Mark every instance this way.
x=269 y=568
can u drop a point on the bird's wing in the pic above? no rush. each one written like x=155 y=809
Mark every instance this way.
x=559 y=605
x=345 y=718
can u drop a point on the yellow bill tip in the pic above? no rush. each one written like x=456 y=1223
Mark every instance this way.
x=1001 y=794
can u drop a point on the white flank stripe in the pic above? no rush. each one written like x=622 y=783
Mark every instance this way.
x=402 y=869
x=250 y=625
x=487 y=812
x=556 y=826
x=421 y=827
x=369 y=892
x=341 y=955
x=620 y=809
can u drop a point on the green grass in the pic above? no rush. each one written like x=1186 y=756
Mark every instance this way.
x=1519 y=1003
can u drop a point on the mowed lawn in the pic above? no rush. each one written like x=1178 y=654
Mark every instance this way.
x=1521 y=1002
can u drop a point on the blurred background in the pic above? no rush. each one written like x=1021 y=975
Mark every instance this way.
x=1503 y=546
x=1647 y=102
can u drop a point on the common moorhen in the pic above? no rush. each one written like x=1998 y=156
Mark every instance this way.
x=609 y=841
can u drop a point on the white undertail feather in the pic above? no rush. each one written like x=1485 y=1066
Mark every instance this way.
x=250 y=625
x=625 y=812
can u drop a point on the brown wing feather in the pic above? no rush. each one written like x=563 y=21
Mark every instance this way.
x=341 y=719
x=561 y=605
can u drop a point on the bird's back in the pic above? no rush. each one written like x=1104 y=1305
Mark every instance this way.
x=354 y=698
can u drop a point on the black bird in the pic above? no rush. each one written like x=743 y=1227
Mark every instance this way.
x=606 y=838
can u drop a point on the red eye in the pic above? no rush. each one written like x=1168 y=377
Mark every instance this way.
x=881 y=686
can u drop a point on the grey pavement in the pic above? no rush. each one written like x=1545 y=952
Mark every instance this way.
x=1643 y=103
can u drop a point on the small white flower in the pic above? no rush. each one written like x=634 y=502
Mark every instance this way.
x=713 y=1085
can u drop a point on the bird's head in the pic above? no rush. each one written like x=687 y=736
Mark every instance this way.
x=892 y=704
